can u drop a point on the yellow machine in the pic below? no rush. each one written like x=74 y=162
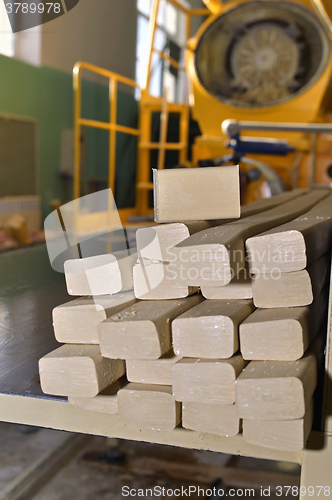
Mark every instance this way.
x=264 y=61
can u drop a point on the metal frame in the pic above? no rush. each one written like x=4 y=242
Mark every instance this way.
x=317 y=456
x=148 y=105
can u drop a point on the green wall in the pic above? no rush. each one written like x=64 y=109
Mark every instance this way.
x=46 y=95
x=95 y=107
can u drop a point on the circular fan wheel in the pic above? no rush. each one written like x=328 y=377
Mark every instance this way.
x=264 y=64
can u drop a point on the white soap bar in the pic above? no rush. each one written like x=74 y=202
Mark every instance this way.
x=206 y=380
x=152 y=371
x=105 y=402
x=188 y=194
x=105 y=274
x=78 y=370
x=217 y=419
x=75 y=322
x=148 y=407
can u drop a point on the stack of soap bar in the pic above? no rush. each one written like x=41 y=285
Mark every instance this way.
x=276 y=390
x=148 y=402
x=284 y=435
x=142 y=331
x=275 y=399
x=293 y=246
x=206 y=389
x=154 y=272
x=214 y=256
x=220 y=361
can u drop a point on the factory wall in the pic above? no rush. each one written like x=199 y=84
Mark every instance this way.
x=104 y=36
x=101 y=32
x=46 y=95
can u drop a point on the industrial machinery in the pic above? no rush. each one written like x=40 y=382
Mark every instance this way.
x=264 y=61
x=267 y=61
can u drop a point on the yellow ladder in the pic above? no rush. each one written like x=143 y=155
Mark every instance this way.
x=144 y=184
x=147 y=106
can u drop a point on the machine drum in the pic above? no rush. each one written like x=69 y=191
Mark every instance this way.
x=261 y=53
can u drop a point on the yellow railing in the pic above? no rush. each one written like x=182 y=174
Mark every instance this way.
x=147 y=107
x=153 y=25
x=112 y=125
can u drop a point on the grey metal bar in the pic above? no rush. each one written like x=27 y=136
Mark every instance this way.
x=232 y=127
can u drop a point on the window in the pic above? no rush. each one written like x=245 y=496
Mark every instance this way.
x=169 y=38
x=7 y=37
x=24 y=45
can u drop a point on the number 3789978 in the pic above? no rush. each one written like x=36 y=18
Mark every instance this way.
x=26 y=8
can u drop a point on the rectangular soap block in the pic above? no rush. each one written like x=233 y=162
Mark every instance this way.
x=295 y=289
x=283 y=435
x=143 y=330
x=279 y=390
x=154 y=243
x=188 y=194
x=239 y=288
x=206 y=380
x=217 y=419
x=105 y=274
x=105 y=402
x=148 y=407
x=152 y=371
x=75 y=322
x=78 y=370
x=282 y=334
x=211 y=329
x=295 y=245
x=150 y=283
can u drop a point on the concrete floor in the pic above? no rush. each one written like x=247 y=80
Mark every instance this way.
x=81 y=480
